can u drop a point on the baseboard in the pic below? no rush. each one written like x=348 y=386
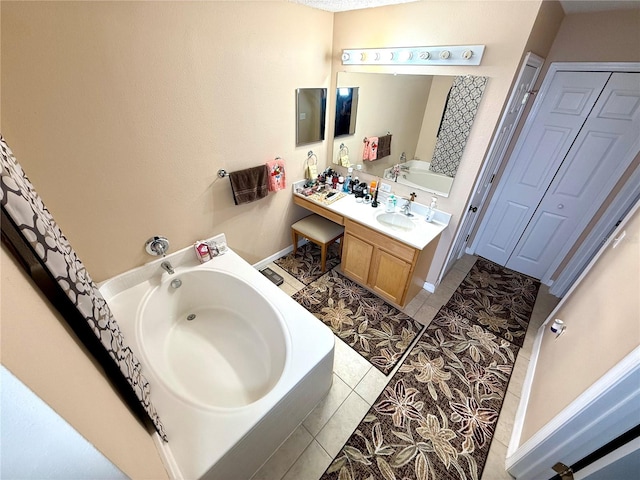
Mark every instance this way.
x=166 y=456
x=518 y=423
x=285 y=251
x=429 y=287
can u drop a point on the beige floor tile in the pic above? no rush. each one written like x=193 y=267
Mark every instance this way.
x=288 y=289
x=343 y=423
x=326 y=408
x=349 y=365
x=414 y=305
x=372 y=385
x=507 y=418
x=494 y=469
x=285 y=456
x=453 y=278
x=465 y=263
x=518 y=375
x=310 y=465
x=287 y=277
x=440 y=297
x=426 y=314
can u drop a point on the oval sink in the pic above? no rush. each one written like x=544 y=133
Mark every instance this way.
x=396 y=221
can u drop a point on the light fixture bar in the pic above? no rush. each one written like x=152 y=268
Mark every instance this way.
x=445 y=55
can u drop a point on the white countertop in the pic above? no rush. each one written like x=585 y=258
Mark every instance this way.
x=423 y=233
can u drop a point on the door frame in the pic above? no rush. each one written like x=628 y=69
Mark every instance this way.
x=621 y=203
x=495 y=157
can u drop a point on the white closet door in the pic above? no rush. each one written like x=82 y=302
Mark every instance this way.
x=542 y=146
x=602 y=151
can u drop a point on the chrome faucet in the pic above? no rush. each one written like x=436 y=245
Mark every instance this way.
x=166 y=265
x=406 y=208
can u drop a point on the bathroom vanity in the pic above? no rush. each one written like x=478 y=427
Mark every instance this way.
x=388 y=252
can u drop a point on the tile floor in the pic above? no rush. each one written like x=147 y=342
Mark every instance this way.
x=309 y=450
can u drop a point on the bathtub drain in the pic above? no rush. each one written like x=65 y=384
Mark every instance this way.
x=191 y=316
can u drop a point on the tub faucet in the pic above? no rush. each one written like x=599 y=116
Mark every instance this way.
x=167 y=266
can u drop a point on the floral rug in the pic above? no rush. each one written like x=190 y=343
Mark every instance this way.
x=376 y=330
x=438 y=414
x=497 y=298
x=304 y=265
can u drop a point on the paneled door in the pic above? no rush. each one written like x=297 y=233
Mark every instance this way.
x=582 y=138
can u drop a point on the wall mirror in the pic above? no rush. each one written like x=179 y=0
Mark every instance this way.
x=346 y=111
x=429 y=117
x=311 y=109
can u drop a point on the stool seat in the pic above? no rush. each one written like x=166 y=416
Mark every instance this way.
x=318 y=230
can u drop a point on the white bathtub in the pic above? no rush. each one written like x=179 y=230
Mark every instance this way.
x=234 y=364
x=416 y=173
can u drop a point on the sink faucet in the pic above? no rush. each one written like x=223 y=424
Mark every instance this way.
x=406 y=208
x=167 y=266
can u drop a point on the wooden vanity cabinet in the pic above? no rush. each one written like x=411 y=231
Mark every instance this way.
x=390 y=268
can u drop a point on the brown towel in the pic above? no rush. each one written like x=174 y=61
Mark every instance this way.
x=249 y=184
x=384 y=146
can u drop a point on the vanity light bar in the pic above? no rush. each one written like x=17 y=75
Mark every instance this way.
x=454 y=55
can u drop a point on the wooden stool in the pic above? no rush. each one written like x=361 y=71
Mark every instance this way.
x=318 y=230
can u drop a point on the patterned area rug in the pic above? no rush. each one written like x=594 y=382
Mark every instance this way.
x=438 y=414
x=499 y=299
x=373 y=328
x=305 y=264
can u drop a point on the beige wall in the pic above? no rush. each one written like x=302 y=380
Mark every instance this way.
x=121 y=113
x=39 y=349
x=503 y=26
x=602 y=316
x=612 y=36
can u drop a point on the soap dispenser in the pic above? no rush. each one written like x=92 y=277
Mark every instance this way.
x=431 y=211
x=391 y=203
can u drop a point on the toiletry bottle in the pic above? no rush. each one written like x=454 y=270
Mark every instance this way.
x=202 y=251
x=391 y=203
x=353 y=184
x=347 y=181
x=431 y=210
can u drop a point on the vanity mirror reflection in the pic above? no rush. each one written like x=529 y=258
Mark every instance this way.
x=428 y=116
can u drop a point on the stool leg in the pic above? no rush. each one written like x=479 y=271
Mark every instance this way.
x=294 y=235
x=323 y=256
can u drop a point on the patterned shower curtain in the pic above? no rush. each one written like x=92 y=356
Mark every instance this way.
x=23 y=207
x=460 y=110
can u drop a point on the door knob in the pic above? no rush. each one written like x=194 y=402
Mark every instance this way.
x=560 y=206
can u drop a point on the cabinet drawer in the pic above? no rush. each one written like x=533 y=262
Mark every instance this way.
x=334 y=217
x=383 y=242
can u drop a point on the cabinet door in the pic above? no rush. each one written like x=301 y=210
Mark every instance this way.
x=356 y=258
x=389 y=276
